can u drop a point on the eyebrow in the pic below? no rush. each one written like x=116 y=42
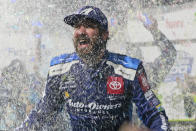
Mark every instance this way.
x=87 y=20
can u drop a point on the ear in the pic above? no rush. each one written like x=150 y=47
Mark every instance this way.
x=105 y=35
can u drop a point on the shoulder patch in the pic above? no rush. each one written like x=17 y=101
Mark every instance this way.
x=124 y=65
x=126 y=61
x=64 y=58
x=62 y=63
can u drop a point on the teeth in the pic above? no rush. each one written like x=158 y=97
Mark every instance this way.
x=83 y=41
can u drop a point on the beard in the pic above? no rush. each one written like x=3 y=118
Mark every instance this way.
x=93 y=49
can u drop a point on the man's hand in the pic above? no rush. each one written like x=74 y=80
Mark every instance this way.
x=148 y=21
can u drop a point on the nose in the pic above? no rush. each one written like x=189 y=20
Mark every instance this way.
x=80 y=30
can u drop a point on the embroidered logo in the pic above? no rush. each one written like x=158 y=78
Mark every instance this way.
x=86 y=11
x=143 y=82
x=66 y=94
x=115 y=85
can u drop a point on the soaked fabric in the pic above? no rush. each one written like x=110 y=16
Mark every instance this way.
x=97 y=97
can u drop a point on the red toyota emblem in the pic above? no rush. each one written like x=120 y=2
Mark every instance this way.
x=115 y=85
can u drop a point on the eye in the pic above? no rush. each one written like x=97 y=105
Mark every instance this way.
x=76 y=26
x=90 y=25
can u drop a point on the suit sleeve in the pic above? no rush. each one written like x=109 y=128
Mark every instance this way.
x=149 y=108
x=46 y=110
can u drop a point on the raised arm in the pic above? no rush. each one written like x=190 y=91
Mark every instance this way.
x=160 y=67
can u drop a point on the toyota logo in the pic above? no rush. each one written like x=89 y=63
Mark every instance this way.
x=115 y=85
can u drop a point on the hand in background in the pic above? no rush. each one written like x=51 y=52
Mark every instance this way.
x=149 y=22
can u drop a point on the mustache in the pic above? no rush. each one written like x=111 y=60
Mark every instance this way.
x=82 y=37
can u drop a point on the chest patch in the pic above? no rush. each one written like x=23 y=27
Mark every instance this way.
x=121 y=70
x=115 y=85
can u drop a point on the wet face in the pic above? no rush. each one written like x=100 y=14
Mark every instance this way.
x=88 y=40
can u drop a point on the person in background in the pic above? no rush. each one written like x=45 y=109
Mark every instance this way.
x=158 y=69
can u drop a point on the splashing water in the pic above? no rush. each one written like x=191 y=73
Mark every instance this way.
x=32 y=32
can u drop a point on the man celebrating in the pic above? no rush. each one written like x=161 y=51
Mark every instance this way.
x=96 y=94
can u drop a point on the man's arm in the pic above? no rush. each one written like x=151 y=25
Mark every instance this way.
x=148 y=106
x=161 y=66
x=47 y=108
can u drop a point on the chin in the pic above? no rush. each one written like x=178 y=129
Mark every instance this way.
x=84 y=51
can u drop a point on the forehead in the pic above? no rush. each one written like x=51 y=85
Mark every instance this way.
x=87 y=22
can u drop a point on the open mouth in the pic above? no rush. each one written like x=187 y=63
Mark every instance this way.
x=83 y=43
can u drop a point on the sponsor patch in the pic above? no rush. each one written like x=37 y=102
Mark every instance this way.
x=159 y=108
x=66 y=94
x=121 y=70
x=164 y=124
x=143 y=82
x=93 y=105
x=114 y=97
x=149 y=94
x=61 y=68
x=64 y=78
x=154 y=102
x=115 y=85
x=67 y=78
x=67 y=81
